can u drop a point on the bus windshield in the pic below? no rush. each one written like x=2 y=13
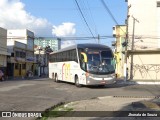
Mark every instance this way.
x=100 y=62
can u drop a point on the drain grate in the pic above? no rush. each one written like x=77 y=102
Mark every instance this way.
x=136 y=96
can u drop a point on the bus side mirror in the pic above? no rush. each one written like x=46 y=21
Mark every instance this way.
x=84 y=56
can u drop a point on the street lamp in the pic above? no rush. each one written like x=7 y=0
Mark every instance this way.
x=48 y=50
x=39 y=61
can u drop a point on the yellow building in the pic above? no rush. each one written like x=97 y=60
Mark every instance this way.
x=119 y=32
x=20 y=44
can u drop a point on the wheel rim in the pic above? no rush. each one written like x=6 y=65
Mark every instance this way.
x=56 y=79
x=77 y=82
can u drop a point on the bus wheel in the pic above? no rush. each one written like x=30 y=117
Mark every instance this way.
x=56 y=78
x=77 y=82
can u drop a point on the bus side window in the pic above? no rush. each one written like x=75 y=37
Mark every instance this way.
x=75 y=56
x=64 y=56
x=67 y=55
x=55 y=59
x=82 y=62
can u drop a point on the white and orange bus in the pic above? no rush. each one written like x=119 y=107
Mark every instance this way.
x=83 y=64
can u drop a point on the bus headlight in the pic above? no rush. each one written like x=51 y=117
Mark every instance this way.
x=113 y=75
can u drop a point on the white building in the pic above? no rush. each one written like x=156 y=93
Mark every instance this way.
x=40 y=54
x=147 y=23
x=143 y=58
x=3 y=49
x=20 y=43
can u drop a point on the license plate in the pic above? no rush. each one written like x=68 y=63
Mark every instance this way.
x=103 y=82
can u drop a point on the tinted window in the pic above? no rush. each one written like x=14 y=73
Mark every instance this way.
x=70 y=55
x=106 y=54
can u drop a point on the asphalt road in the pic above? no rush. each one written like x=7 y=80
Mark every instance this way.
x=40 y=94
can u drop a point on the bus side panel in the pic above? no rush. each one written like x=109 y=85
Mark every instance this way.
x=67 y=71
x=52 y=69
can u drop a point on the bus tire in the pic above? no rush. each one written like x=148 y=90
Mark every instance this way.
x=56 y=79
x=77 y=82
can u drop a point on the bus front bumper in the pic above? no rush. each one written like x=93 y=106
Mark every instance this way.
x=100 y=81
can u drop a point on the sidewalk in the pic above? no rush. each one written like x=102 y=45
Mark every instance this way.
x=141 y=82
x=95 y=109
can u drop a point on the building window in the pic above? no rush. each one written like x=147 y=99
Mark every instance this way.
x=158 y=3
x=17 y=54
x=23 y=66
x=12 y=54
x=16 y=66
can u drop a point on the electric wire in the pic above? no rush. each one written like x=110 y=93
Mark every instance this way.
x=84 y=18
x=108 y=10
x=110 y=13
x=88 y=14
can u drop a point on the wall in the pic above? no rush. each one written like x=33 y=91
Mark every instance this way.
x=146 y=66
x=21 y=35
x=145 y=11
x=120 y=34
x=22 y=39
x=3 y=47
x=146 y=62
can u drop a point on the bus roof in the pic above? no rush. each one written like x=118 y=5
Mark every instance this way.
x=84 y=45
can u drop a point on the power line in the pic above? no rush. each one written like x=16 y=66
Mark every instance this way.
x=110 y=13
x=62 y=38
x=84 y=18
x=108 y=10
x=89 y=14
x=83 y=37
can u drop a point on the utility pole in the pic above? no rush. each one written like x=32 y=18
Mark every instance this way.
x=126 y=43
x=132 y=48
x=39 y=61
x=134 y=20
x=98 y=39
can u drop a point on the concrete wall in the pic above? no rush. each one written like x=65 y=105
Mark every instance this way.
x=120 y=34
x=22 y=39
x=21 y=35
x=148 y=27
x=3 y=47
x=145 y=66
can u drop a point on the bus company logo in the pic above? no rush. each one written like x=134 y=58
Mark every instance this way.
x=66 y=71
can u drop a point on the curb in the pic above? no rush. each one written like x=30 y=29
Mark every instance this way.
x=137 y=83
x=144 y=103
x=138 y=97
